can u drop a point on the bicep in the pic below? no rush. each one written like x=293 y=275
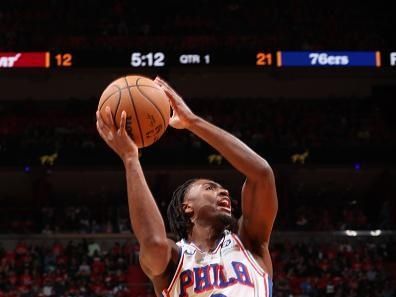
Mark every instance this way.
x=259 y=208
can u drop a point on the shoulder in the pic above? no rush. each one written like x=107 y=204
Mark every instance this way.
x=259 y=250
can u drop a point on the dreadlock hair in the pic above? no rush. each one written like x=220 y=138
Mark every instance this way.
x=179 y=221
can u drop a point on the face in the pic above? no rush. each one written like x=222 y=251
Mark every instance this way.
x=207 y=201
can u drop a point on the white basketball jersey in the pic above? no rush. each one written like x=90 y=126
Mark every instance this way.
x=229 y=271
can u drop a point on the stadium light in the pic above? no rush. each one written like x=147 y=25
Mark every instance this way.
x=350 y=232
x=375 y=232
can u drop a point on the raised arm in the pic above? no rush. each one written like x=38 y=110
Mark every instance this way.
x=147 y=223
x=259 y=199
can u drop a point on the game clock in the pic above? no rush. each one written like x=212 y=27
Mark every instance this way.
x=150 y=59
x=158 y=59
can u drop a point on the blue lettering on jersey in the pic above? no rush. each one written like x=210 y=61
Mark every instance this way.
x=242 y=274
x=186 y=280
x=201 y=277
x=220 y=280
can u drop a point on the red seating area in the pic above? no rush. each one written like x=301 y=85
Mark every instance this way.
x=86 y=268
x=81 y=268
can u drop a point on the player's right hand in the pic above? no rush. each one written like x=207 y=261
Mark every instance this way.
x=182 y=117
x=117 y=139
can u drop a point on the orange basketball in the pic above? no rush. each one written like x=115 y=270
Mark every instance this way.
x=145 y=103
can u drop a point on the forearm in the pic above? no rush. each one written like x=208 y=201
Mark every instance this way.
x=146 y=219
x=147 y=223
x=243 y=158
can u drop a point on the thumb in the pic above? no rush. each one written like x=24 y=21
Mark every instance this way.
x=173 y=119
x=174 y=122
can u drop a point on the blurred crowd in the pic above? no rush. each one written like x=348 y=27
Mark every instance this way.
x=87 y=268
x=237 y=24
x=353 y=132
x=70 y=219
x=296 y=214
x=335 y=131
x=78 y=268
x=333 y=269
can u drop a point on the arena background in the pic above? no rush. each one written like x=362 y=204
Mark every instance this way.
x=310 y=86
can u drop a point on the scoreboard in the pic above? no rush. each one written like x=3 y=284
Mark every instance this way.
x=160 y=59
x=320 y=59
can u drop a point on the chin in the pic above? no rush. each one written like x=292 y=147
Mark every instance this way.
x=220 y=219
x=226 y=220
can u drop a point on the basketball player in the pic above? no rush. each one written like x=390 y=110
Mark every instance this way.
x=212 y=258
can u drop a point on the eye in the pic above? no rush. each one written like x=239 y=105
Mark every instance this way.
x=209 y=187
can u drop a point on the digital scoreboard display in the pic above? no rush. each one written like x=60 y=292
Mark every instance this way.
x=329 y=59
x=25 y=60
x=161 y=59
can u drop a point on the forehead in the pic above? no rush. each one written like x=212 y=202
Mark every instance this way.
x=198 y=185
x=203 y=181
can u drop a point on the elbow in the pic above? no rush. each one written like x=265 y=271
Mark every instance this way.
x=154 y=256
x=263 y=170
x=155 y=245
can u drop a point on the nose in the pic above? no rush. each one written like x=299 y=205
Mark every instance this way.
x=224 y=192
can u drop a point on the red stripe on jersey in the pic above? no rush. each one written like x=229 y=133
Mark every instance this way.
x=266 y=286
x=179 y=267
x=262 y=273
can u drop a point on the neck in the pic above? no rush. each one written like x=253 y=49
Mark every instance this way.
x=205 y=237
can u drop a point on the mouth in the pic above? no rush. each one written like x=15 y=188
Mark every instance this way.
x=224 y=203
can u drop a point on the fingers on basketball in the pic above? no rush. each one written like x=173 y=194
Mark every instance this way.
x=121 y=130
x=167 y=89
x=101 y=126
x=109 y=116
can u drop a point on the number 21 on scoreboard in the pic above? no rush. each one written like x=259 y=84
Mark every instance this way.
x=263 y=59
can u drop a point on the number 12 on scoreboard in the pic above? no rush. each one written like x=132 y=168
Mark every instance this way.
x=64 y=60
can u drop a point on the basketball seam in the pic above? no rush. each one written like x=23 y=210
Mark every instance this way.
x=118 y=105
x=155 y=105
x=120 y=89
x=105 y=100
x=134 y=109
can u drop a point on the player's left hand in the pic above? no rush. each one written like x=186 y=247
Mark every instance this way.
x=116 y=138
x=182 y=117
